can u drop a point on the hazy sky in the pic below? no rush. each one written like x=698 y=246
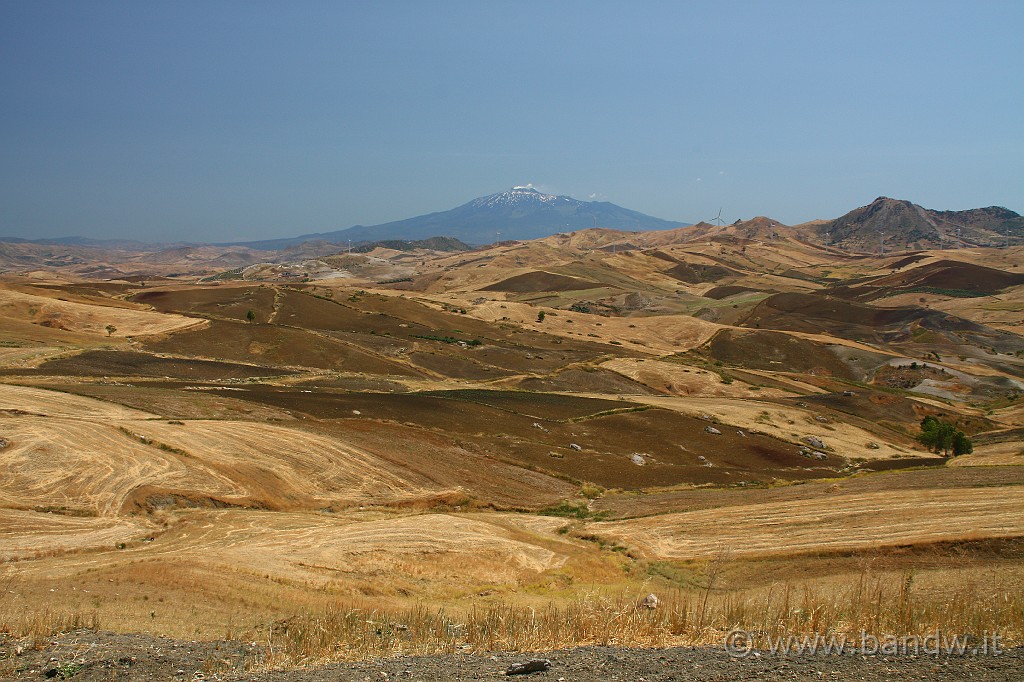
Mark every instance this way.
x=217 y=120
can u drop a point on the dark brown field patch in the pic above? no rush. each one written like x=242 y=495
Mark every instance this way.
x=551 y=406
x=673 y=448
x=776 y=351
x=953 y=275
x=126 y=363
x=223 y=301
x=695 y=273
x=268 y=344
x=530 y=282
x=590 y=380
x=718 y=293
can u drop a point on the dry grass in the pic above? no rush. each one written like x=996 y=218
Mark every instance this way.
x=874 y=603
x=683 y=380
x=657 y=335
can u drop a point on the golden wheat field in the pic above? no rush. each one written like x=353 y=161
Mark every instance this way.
x=481 y=475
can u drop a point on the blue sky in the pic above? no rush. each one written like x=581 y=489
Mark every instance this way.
x=211 y=121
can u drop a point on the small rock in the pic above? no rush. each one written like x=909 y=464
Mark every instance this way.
x=649 y=602
x=638 y=459
x=712 y=430
x=819 y=455
x=849 y=394
x=741 y=434
x=534 y=665
x=815 y=442
x=823 y=420
x=873 y=446
x=574 y=446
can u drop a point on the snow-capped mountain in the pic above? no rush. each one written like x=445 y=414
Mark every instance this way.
x=519 y=213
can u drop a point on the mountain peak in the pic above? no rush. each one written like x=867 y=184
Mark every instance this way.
x=518 y=195
x=887 y=224
x=522 y=212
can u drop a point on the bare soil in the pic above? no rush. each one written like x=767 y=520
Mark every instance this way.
x=529 y=282
x=103 y=656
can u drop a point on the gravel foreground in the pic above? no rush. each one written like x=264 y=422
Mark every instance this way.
x=92 y=656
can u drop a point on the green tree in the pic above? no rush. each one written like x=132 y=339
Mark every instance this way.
x=940 y=436
x=111 y=329
x=251 y=316
x=962 y=445
x=540 y=316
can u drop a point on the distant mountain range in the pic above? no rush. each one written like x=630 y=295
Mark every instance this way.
x=896 y=224
x=523 y=213
x=520 y=213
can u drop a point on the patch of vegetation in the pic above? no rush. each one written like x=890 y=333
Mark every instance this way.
x=235 y=273
x=573 y=509
x=447 y=339
x=952 y=293
x=940 y=436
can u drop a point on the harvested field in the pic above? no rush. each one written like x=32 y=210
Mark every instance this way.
x=844 y=523
x=996 y=454
x=100 y=468
x=84 y=467
x=90 y=319
x=173 y=400
x=132 y=364
x=37 y=401
x=278 y=467
x=344 y=454
x=654 y=502
x=529 y=282
x=29 y=356
x=32 y=535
